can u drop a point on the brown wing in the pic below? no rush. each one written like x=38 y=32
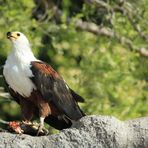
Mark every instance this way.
x=54 y=89
x=58 y=123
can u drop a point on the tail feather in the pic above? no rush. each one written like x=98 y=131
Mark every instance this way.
x=77 y=97
x=58 y=123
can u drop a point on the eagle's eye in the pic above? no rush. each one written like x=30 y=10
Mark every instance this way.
x=18 y=34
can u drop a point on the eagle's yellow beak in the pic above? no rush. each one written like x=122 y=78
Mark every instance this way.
x=13 y=35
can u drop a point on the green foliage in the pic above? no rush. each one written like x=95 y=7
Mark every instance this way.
x=105 y=70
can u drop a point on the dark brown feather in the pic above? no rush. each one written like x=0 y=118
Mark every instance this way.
x=52 y=120
x=54 y=89
x=52 y=98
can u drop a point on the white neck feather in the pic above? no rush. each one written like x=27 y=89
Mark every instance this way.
x=22 y=53
x=17 y=70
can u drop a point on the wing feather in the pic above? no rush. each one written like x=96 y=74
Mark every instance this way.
x=53 y=88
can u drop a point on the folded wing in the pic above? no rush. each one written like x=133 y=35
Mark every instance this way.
x=53 y=88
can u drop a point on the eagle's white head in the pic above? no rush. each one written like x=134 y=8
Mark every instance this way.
x=19 y=40
x=20 y=45
x=17 y=37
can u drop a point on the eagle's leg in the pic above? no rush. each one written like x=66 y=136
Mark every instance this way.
x=27 y=109
x=44 y=111
x=41 y=126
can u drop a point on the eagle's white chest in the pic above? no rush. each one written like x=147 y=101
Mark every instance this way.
x=17 y=75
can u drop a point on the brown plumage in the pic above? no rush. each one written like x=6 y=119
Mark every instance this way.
x=42 y=103
x=54 y=89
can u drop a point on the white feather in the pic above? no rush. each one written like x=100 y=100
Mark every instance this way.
x=17 y=67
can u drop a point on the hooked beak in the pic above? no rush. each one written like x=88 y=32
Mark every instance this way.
x=10 y=36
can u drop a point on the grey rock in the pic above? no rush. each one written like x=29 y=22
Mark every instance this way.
x=90 y=132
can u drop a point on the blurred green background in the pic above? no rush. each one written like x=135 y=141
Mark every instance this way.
x=98 y=46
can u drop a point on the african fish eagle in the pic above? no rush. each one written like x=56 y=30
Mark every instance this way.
x=38 y=88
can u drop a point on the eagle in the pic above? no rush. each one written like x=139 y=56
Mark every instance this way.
x=38 y=88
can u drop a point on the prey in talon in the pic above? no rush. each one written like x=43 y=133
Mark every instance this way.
x=38 y=88
x=15 y=127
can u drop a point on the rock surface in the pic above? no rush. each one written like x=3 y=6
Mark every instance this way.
x=89 y=132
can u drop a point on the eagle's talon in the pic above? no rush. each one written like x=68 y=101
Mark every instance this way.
x=26 y=122
x=46 y=131
x=42 y=131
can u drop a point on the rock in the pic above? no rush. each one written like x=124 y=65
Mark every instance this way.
x=90 y=132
